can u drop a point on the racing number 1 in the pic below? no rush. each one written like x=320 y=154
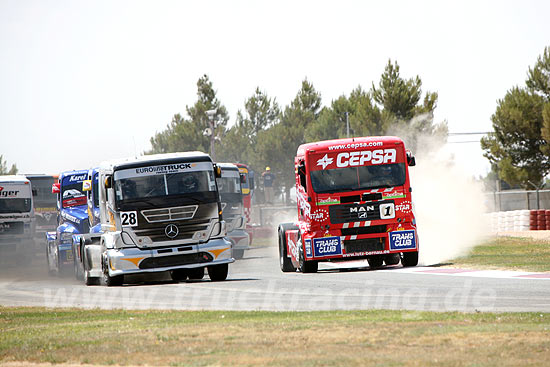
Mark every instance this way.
x=128 y=219
x=387 y=211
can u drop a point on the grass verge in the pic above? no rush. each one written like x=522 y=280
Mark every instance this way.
x=511 y=253
x=350 y=338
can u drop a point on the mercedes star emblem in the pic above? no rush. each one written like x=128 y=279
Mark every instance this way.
x=171 y=230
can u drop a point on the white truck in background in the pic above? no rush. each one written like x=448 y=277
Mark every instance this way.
x=17 y=219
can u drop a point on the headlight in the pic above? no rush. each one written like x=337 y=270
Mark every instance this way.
x=216 y=229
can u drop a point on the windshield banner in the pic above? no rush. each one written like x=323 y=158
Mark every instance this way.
x=163 y=169
x=355 y=159
x=14 y=191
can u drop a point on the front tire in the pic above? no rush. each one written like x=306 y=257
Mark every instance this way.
x=111 y=281
x=307 y=266
x=409 y=258
x=375 y=261
x=179 y=275
x=238 y=254
x=196 y=273
x=284 y=261
x=218 y=273
x=392 y=259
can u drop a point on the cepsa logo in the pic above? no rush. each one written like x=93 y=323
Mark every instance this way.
x=8 y=193
x=353 y=159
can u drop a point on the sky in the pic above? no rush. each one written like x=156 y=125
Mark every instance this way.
x=86 y=81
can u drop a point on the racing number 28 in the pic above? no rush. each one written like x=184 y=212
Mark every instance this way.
x=128 y=219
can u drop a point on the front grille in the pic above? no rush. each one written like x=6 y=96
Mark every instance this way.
x=363 y=230
x=167 y=214
x=11 y=228
x=364 y=245
x=185 y=230
x=175 y=260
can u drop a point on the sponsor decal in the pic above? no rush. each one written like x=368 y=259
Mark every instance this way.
x=327 y=246
x=358 y=158
x=162 y=170
x=8 y=193
x=325 y=161
x=393 y=195
x=319 y=215
x=309 y=253
x=356 y=145
x=77 y=178
x=362 y=253
x=405 y=207
x=402 y=240
x=70 y=217
x=328 y=201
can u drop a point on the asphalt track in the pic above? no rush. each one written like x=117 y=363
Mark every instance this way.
x=256 y=283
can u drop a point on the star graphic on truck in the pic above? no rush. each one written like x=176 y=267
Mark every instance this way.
x=325 y=161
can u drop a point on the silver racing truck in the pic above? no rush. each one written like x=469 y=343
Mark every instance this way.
x=157 y=213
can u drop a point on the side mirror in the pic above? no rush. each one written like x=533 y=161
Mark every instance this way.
x=411 y=161
x=251 y=183
x=56 y=188
x=34 y=192
x=217 y=171
x=108 y=182
x=243 y=179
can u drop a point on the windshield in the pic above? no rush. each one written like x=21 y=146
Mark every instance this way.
x=229 y=185
x=15 y=205
x=42 y=191
x=164 y=185
x=358 y=178
x=72 y=195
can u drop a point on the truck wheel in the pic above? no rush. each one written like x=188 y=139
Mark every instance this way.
x=238 y=254
x=392 y=259
x=51 y=272
x=112 y=281
x=307 y=266
x=409 y=258
x=375 y=261
x=78 y=273
x=218 y=272
x=179 y=275
x=284 y=260
x=196 y=273
x=88 y=280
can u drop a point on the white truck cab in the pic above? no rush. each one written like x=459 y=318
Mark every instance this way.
x=157 y=213
x=17 y=219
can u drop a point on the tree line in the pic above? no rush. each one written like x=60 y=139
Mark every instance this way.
x=519 y=149
x=266 y=134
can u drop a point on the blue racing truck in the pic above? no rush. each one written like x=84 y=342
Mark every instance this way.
x=72 y=218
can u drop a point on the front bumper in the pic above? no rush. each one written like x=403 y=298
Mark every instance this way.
x=135 y=260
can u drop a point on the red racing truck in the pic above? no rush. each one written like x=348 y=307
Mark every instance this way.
x=354 y=202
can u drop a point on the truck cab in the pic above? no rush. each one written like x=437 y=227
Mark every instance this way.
x=229 y=186
x=354 y=202
x=247 y=191
x=71 y=219
x=45 y=206
x=17 y=219
x=157 y=213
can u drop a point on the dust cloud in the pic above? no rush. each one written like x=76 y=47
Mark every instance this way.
x=449 y=204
